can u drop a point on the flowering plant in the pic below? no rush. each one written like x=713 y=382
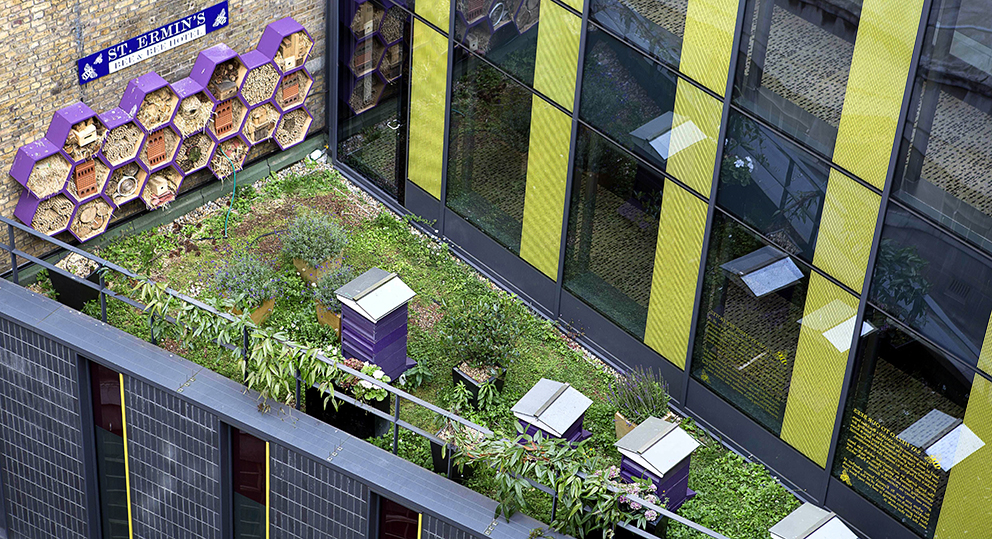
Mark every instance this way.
x=246 y=279
x=315 y=239
x=323 y=290
x=363 y=390
x=639 y=394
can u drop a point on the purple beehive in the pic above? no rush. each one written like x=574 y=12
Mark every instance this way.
x=554 y=409
x=150 y=100
x=40 y=168
x=219 y=71
x=374 y=320
x=293 y=90
x=160 y=148
x=660 y=451
x=287 y=43
x=78 y=142
x=124 y=137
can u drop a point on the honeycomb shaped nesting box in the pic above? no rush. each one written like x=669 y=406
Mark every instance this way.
x=220 y=71
x=527 y=15
x=227 y=119
x=391 y=28
x=366 y=21
x=293 y=127
x=49 y=216
x=367 y=55
x=91 y=219
x=161 y=187
x=78 y=130
x=124 y=137
x=40 y=168
x=473 y=10
x=194 y=108
x=125 y=183
x=262 y=78
x=287 y=43
x=151 y=101
x=87 y=180
x=391 y=66
x=194 y=153
x=366 y=93
x=228 y=153
x=261 y=123
x=160 y=148
x=293 y=89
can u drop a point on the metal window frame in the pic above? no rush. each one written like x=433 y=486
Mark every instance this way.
x=88 y=432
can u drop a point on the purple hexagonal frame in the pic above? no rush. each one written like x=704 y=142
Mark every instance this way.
x=237 y=164
x=210 y=153
x=27 y=206
x=272 y=38
x=139 y=179
x=207 y=62
x=304 y=90
x=253 y=60
x=68 y=188
x=169 y=156
x=187 y=88
x=79 y=208
x=309 y=122
x=112 y=119
x=28 y=156
x=61 y=126
x=152 y=200
x=136 y=92
x=238 y=123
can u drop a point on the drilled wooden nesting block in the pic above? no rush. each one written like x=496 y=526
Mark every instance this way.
x=261 y=123
x=122 y=143
x=159 y=148
x=259 y=84
x=157 y=108
x=91 y=219
x=52 y=215
x=293 y=50
x=161 y=187
x=48 y=176
x=293 y=127
x=193 y=115
x=224 y=81
x=125 y=183
x=84 y=139
x=194 y=153
x=228 y=152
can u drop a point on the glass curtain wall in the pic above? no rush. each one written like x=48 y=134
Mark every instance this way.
x=654 y=26
x=108 y=417
x=250 y=484
x=504 y=32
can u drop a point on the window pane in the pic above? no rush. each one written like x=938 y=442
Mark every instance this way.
x=374 y=72
x=655 y=26
x=487 y=151
x=397 y=522
x=933 y=283
x=612 y=231
x=250 y=484
x=504 y=32
x=794 y=61
x=753 y=298
x=628 y=97
x=907 y=401
x=945 y=157
x=772 y=185
x=108 y=416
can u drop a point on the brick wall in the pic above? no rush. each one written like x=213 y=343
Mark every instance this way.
x=434 y=528
x=42 y=466
x=40 y=41
x=174 y=454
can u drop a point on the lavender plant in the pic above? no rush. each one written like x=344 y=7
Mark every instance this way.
x=246 y=278
x=639 y=394
x=323 y=290
x=315 y=239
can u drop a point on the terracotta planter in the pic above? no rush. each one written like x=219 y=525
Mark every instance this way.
x=328 y=317
x=623 y=426
x=311 y=274
x=261 y=313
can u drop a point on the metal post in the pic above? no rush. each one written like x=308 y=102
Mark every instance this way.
x=554 y=499
x=13 y=257
x=396 y=427
x=151 y=329
x=450 y=449
x=103 y=296
x=297 y=388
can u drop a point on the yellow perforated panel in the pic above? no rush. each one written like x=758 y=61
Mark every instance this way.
x=544 y=201
x=435 y=11
x=676 y=269
x=428 y=76
x=965 y=512
x=696 y=128
x=818 y=373
x=879 y=70
x=847 y=226
x=707 y=42
x=574 y=4
x=557 y=61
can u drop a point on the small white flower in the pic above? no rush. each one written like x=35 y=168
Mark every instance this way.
x=378 y=375
x=366 y=384
x=739 y=163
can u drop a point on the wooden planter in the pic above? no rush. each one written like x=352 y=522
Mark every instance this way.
x=623 y=425
x=311 y=274
x=261 y=313
x=328 y=317
x=457 y=375
x=348 y=417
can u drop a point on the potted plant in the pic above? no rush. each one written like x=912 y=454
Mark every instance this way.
x=441 y=454
x=352 y=419
x=637 y=394
x=251 y=283
x=328 y=306
x=315 y=242
x=482 y=338
x=69 y=292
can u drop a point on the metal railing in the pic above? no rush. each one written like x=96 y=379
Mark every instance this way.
x=398 y=395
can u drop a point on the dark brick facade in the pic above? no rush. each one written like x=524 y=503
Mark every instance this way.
x=434 y=528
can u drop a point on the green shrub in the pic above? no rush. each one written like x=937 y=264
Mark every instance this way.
x=324 y=289
x=484 y=334
x=315 y=239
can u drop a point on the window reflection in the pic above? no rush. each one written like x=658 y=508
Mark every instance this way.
x=504 y=31
x=945 y=157
x=752 y=302
x=487 y=152
x=612 y=231
x=795 y=59
x=250 y=484
x=654 y=26
x=772 y=185
x=902 y=432
x=108 y=417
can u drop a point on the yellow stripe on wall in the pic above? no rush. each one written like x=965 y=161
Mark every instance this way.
x=676 y=268
x=437 y=12
x=883 y=50
x=847 y=227
x=544 y=200
x=818 y=372
x=420 y=524
x=707 y=42
x=127 y=466
x=268 y=491
x=695 y=131
x=557 y=63
x=428 y=76
x=574 y=4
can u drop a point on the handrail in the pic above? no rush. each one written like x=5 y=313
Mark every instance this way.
x=397 y=393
